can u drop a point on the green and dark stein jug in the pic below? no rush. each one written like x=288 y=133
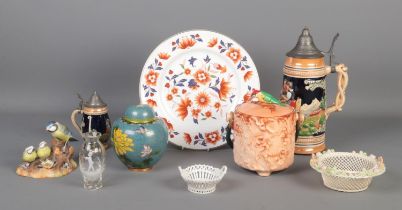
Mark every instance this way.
x=304 y=88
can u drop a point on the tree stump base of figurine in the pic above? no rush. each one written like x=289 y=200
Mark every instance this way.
x=58 y=164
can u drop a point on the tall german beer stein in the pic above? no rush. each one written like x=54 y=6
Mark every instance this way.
x=94 y=117
x=304 y=88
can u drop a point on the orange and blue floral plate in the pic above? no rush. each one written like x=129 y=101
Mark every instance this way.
x=192 y=80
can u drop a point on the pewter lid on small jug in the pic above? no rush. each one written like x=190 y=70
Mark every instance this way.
x=95 y=101
x=94 y=105
x=305 y=47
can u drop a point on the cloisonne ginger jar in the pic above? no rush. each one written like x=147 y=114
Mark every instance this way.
x=263 y=136
x=139 y=137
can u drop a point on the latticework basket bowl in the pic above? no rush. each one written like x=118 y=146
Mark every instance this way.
x=202 y=179
x=347 y=171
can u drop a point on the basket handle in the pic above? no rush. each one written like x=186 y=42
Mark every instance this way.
x=381 y=166
x=180 y=169
x=224 y=169
x=314 y=162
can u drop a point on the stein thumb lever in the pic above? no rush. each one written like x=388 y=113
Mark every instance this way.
x=331 y=54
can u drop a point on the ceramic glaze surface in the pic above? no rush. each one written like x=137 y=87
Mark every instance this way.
x=192 y=80
x=264 y=144
x=139 y=145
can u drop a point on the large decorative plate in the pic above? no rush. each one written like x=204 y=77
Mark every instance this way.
x=192 y=80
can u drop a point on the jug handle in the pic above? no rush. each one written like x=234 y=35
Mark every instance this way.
x=73 y=120
x=342 y=83
x=229 y=118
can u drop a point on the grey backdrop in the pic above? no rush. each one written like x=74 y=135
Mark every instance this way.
x=51 y=49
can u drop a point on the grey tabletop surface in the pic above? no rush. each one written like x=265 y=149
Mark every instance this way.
x=51 y=49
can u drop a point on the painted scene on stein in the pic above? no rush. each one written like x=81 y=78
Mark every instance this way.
x=308 y=96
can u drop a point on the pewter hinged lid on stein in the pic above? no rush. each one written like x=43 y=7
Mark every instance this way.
x=305 y=47
x=95 y=105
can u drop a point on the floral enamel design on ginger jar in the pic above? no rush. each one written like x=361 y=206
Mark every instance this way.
x=139 y=138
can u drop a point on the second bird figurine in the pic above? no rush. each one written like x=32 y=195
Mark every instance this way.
x=60 y=132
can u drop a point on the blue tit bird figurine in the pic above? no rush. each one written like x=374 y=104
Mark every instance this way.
x=263 y=96
x=60 y=132
x=29 y=155
x=43 y=150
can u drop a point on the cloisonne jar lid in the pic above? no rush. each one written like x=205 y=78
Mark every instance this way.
x=142 y=113
x=266 y=110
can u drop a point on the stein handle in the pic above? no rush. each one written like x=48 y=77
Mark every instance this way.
x=73 y=120
x=342 y=83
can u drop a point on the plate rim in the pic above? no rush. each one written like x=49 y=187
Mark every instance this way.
x=152 y=55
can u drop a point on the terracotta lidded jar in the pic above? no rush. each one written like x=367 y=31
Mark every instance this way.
x=139 y=138
x=263 y=136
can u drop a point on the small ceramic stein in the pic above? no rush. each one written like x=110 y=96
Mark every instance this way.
x=94 y=117
x=140 y=138
x=304 y=88
x=263 y=136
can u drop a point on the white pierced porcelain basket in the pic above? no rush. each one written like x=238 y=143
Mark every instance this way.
x=202 y=179
x=347 y=171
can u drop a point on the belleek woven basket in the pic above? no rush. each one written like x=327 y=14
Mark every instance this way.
x=347 y=171
x=202 y=179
